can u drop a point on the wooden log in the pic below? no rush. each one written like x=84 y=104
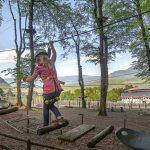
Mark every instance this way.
x=47 y=129
x=97 y=138
x=3 y=108
x=76 y=133
x=9 y=110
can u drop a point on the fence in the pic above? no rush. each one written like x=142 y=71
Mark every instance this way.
x=93 y=104
x=28 y=142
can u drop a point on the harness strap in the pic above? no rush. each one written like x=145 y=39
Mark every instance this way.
x=47 y=78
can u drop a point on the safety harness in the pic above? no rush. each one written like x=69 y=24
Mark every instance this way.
x=56 y=98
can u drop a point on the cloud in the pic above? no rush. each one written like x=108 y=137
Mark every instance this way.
x=70 y=62
x=118 y=55
x=67 y=71
x=7 y=57
x=74 y=61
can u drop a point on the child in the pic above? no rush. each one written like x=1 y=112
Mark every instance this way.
x=51 y=85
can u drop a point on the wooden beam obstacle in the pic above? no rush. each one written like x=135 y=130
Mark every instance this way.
x=9 y=110
x=3 y=108
x=50 y=128
x=97 y=138
x=76 y=133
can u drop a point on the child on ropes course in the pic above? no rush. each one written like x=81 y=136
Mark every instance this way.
x=51 y=85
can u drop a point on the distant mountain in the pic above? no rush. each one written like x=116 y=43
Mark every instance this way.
x=74 y=79
x=120 y=76
x=3 y=83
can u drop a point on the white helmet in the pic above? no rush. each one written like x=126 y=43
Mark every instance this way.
x=40 y=51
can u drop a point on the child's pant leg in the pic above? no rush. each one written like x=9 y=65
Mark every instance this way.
x=46 y=114
x=55 y=110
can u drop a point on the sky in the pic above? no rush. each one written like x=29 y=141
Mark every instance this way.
x=64 y=67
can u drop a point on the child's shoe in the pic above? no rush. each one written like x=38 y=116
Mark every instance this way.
x=59 y=120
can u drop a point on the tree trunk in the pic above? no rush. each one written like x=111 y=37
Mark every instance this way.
x=144 y=35
x=103 y=55
x=19 y=101
x=81 y=82
x=104 y=78
x=30 y=91
x=80 y=77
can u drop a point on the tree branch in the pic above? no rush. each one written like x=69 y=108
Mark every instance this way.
x=23 y=40
x=15 y=28
x=19 y=12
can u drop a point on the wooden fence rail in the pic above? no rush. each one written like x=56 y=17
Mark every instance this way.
x=30 y=143
x=93 y=104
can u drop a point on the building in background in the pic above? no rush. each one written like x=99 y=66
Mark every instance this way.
x=137 y=95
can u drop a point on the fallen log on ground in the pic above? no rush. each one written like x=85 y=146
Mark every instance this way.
x=3 y=107
x=50 y=128
x=9 y=110
x=97 y=138
x=76 y=133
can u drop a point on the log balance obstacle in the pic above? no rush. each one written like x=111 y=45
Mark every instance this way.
x=50 y=128
x=97 y=138
x=76 y=133
x=9 y=110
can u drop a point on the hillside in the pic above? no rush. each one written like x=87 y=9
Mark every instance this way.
x=117 y=78
x=3 y=83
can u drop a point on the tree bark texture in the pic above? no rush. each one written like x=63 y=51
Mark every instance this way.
x=30 y=91
x=80 y=80
x=19 y=100
x=143 y=30
x=103 y=55
x=18 y=52
x=80 y=76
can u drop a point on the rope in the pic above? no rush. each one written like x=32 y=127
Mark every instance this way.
x=84 y=32
x=109 y=24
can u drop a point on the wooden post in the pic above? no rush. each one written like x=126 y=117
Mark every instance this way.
x=124 y=123
x=79 y=104
x=97 y=105
x=27 y=121
x=28 y=144
x=82 y=115
x=50 y=118
x=139 y=106
x=61 y=132
x=112 y=109
x=121 y=109
x=97 y=138
x=145 y=105
x=88 y=104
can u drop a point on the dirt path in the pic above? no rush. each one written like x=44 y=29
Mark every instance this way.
x=133 y=121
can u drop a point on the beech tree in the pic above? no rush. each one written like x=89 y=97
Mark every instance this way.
x=71 y=24
x=20 y=48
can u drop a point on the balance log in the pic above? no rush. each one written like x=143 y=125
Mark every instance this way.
x=3 y=108
x=97 y=138
x=76 y=133
x=9 y=110
x=50 y=128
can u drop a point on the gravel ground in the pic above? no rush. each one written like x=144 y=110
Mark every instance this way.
x=133 y=121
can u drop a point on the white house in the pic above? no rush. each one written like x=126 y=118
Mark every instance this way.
x=137 y=95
